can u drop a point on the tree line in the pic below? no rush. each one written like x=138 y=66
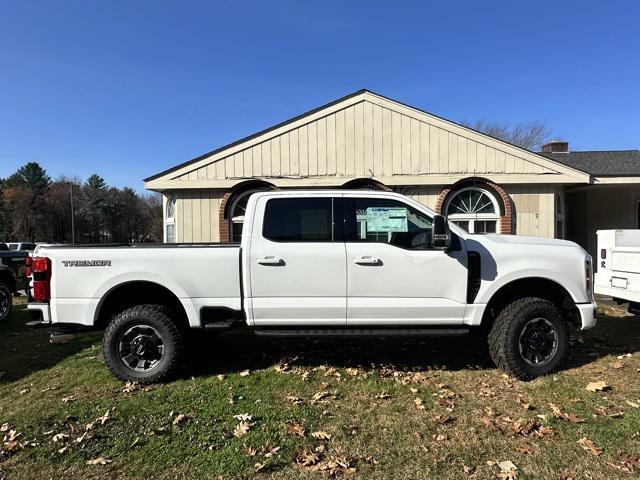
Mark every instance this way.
x=34 y=208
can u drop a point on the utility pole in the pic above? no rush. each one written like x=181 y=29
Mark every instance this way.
x=73 y=228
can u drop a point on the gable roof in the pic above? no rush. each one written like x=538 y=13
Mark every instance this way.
x=606 y=163
x=416 y=144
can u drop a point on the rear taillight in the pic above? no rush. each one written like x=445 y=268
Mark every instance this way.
x=27 y=266
x=41 y=268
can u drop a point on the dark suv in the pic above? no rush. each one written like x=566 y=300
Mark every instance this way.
x=12 y=277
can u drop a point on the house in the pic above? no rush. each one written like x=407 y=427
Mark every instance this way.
x=366 y=140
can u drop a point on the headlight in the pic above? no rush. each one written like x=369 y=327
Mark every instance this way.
x=588 y=276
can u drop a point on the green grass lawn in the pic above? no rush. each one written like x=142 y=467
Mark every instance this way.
x=423 y=408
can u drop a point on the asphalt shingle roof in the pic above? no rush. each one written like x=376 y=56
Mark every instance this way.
x=607 y=163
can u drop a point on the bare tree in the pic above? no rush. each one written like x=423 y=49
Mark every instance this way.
x=529 y=135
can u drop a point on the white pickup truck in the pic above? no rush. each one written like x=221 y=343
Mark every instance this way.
x=618 y=272
x=323 y=263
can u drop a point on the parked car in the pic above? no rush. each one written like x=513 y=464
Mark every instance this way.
x=12 y=277
x=332 y=263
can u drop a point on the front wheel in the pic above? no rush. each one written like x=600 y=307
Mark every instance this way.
x=143 y=344
x=6 y=301
x=529 y=338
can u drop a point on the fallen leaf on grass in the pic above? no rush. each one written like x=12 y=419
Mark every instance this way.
x=269 y=450
x=419 y=403
x=245 y=373
x=490 y=423
x=130 y=387
x=598 y=386
x=508 y=470
x=68 y=399
x=383 y=395
x=612 y=412
x=336 y=467
x=632 y=404
x=294 y=428
x=443 y=419
x=568 y=417
x=242 y=429
x=249 y=451
x=321 y=435
x=630 y=463
x=307 y=458
x=180 y=419
x=99 y=461
x=243 y=417
x=295 y=400
x=590 y=447
x=259 y=467
x=60 y=437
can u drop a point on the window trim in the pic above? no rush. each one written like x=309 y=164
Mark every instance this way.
x=472 y=217
x=333 y=220
x=169 y=220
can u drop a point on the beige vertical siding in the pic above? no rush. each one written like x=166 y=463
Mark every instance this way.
x=197 y=211
x=534 y=209
x=197 y=215
x=362 y=140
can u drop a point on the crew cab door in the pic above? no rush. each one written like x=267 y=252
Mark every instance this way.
x=297 y=262
x=394 y=275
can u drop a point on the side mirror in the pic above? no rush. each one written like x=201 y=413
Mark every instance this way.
x=440 y=233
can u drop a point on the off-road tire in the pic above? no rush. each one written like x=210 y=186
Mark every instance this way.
x=504 y=337
x=158 y=317
x=5 y=295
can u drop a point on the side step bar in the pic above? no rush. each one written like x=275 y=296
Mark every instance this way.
x=362 y=332
x=221 y=325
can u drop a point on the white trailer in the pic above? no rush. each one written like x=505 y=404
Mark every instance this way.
x=618 y=271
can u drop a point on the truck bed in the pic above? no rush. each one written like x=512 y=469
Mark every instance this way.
x=200 y=275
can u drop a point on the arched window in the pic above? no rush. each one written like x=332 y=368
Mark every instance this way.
x=475 y=209
x=236 y=214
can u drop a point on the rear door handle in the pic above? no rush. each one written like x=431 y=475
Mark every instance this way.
x=367 y=261
x=271 y=261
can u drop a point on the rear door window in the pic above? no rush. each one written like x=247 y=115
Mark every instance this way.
x=298 y=220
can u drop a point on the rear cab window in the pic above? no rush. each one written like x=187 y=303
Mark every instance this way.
x=299 y=219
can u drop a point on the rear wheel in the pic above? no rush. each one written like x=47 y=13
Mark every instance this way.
x=529 y=338
x=143 y=344
x=6 y=301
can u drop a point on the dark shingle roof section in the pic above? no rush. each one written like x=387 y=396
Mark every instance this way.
x=606 y=163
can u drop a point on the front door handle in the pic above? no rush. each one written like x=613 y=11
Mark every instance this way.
x=367 y=261
x=271 y=261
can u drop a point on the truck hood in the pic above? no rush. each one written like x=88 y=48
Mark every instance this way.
x=520 y=240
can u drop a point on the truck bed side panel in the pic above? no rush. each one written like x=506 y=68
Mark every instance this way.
x=198 y=276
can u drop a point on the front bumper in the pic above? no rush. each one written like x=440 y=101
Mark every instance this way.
x=588 y=315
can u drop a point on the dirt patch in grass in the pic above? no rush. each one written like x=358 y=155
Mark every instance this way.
x=371 y=408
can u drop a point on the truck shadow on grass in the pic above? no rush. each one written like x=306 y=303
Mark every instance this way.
x=24 y=350
x=236 y=351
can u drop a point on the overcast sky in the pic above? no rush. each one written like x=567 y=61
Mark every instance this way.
x=129 y=88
